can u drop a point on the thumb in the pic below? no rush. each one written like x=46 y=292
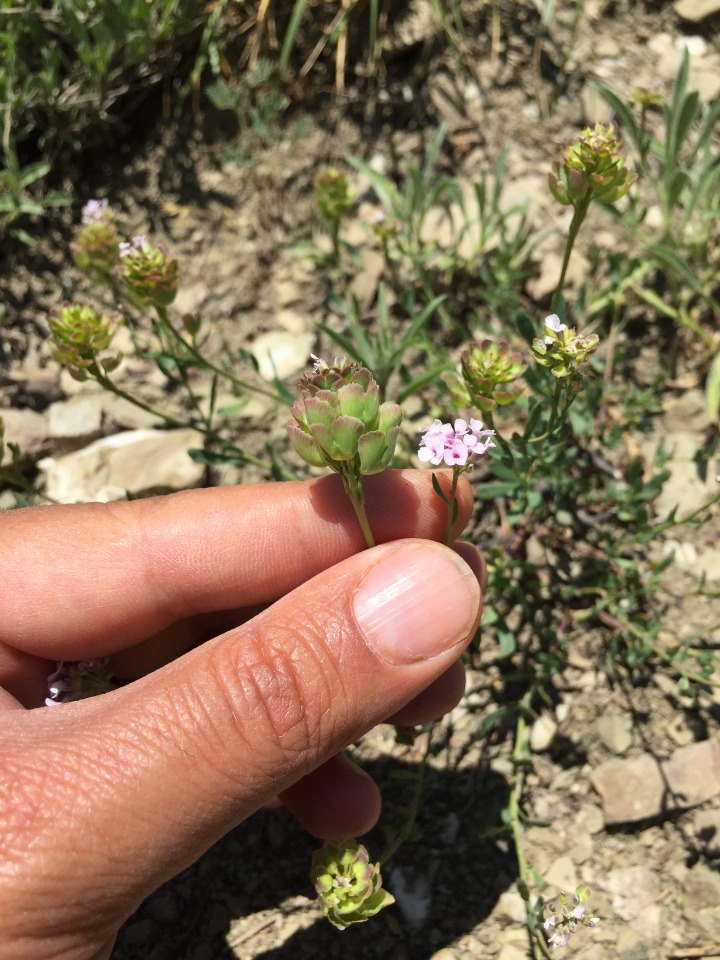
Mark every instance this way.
x=146 y=778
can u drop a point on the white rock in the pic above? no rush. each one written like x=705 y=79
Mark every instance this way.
x=696 y=46
x=542 y=733
x=139 y=461
x=76 y=418
x=696 y=10
x=28 y=430
x=282 y=354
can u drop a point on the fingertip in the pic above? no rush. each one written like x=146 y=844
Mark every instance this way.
x=336 y=801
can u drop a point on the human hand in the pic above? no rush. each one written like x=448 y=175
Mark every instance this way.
x=311 y=641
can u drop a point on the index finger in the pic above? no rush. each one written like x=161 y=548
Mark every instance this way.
x=90 y=579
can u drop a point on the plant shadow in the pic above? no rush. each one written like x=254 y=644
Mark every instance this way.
x=446 y=882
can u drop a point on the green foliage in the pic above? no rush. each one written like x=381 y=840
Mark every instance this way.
x=679 y=170
x=65 y=68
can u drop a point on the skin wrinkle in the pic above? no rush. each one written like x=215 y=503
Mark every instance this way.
x=276 y=683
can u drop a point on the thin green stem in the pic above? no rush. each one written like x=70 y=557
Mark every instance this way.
x=209 y=365
x=16 y=479
x=210 y=434
x=352 y=481
x=406 y=829
x=451 y=505
x=557 y=393
x=579 y=214
x=519 y=757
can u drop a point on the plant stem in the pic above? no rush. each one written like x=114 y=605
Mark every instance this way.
x=16 y=479
x=211 y=435
x=352 y=482
x=519 y=758
x=451 y=505
x=413 y=807
x=208 y=364
x=579 y=214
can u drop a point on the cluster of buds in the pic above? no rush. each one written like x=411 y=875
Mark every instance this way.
x=454 y=443
x=96 y=248
x=80 y=336
x=384 y=229
x=332 y=196
x=348 y=886
x=78 y=679
x=148 y=273
x=490 y=374
x=339 y=422
x=563 y=920
x=562 y=349
x=592 y=168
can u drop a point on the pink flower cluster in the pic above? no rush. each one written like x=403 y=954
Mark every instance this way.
x=454 y=443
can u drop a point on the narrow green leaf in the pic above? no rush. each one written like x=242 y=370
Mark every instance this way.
x=291 y=35
x=712 y=389
x=438 y=490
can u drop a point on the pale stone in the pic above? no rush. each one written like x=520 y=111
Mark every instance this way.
x=696 y=10
x=365 y=282
x=630 y=789
x=510 y=906
x=77 y=418
x=191 y=298
x=281 y=354
x=542 y=732
x=124 y=413
x=693 y=773
x=27 y=429
x=562 y=875
x=139 y=461
x=616 y=732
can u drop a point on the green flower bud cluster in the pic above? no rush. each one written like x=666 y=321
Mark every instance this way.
x=490 y=373
x=149 y=274
x=96 y=247
x=339 y=422
x=592 y=168
x=562 y=349
x=332 y=196
x=79 y=336
x=348 y=886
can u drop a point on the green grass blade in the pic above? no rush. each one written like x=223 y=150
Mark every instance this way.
x=291 y=35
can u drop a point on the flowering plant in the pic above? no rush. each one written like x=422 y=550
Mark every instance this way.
x=454 y=444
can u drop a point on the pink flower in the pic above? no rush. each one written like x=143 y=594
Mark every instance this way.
x=553 y=323
x=453 y=444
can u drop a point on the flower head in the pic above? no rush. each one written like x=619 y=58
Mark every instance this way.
x=96 y=246
x=454 y=444
x=148 y=273
x=95 y=211
x=332 y=195
x=490 y=373
x=348 y=886
x=78 y=679
x=592 y=168
x=339 y=422
x=80 y=337
x=563 y=920
x=562 y=349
